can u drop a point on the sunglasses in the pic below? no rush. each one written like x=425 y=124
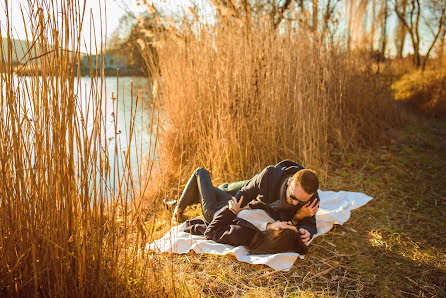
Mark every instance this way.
x=293 y=197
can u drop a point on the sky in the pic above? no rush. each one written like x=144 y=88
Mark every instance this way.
x=111 y=12
x=112 y=9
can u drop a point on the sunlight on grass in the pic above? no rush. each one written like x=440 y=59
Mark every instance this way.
x=376 y=239
x=406 y=247
x=423 y=89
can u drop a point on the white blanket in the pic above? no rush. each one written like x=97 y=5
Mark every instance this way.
x=334 y=208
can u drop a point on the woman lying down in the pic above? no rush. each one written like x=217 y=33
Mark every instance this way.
x=227 y=228
x=222 y=224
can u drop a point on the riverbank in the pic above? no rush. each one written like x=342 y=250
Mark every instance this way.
x=393 y=246
x=33 y=70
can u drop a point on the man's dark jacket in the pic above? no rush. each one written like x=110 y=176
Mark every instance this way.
x=265 y=187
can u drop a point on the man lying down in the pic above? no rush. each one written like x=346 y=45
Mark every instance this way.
x=286 y=191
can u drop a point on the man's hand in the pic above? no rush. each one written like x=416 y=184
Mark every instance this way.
x=305 y=235
x=234 y=206
x=307 y=210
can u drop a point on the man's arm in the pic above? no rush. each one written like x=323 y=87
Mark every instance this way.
x=251 y=190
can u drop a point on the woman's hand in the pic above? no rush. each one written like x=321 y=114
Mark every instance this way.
x=234 y=206
x=305 y=235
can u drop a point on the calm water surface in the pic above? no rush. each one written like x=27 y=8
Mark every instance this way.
x=118 y=106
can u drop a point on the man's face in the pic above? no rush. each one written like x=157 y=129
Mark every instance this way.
x=296 y=194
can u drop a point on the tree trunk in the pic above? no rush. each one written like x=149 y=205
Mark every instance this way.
x=442 y=47
x=417 y=55
x=372 y=29
x=401 y=32
x=349 y=33
x=417 y=33
x=412 y=26
x=384 y=29
x=315 y=15
x=400 y=40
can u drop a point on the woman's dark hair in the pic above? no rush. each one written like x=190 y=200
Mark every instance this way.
x=276 y=241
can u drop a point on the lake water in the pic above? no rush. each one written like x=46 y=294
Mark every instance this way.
x=119 y=103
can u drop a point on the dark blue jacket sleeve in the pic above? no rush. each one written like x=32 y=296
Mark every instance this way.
x=309 y=224
x=253 y=188
x=219 y=224
x=222 y=229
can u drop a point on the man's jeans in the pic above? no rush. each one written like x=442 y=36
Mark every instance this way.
x=199 y=189
x=232 y=188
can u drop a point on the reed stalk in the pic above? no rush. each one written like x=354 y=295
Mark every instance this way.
x=70 y=214
x=240 y=96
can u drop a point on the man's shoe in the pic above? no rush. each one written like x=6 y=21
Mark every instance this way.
x=169 y=205
x=177 y=216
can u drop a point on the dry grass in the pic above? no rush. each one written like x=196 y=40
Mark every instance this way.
x=69 y=225
x=423 y=90
x=236 y=99
x=393 y=246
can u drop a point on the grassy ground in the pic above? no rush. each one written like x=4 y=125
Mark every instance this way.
x=393 y=246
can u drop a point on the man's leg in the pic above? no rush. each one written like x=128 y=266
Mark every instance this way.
x=190 y=194
x=199 y=189
x=233 y=187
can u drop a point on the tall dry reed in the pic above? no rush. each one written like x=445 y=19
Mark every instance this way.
x=70 y=223
x=237 y=99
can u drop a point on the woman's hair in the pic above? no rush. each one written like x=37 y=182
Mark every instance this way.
x=276 y=241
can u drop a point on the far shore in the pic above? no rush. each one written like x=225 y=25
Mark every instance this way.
x=109 y=72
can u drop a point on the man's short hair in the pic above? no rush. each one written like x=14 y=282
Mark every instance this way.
x=308 y=180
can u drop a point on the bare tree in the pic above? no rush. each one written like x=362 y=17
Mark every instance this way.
x=442 y=45
x=357 y=14
x=244 y=10
x=411 y=21
x=436 y=23
x=401 y=31
x=373 y=25
x=328 y=16
x=384 y=16
x=315 y=15
x=434 y=19
x=279 y=10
